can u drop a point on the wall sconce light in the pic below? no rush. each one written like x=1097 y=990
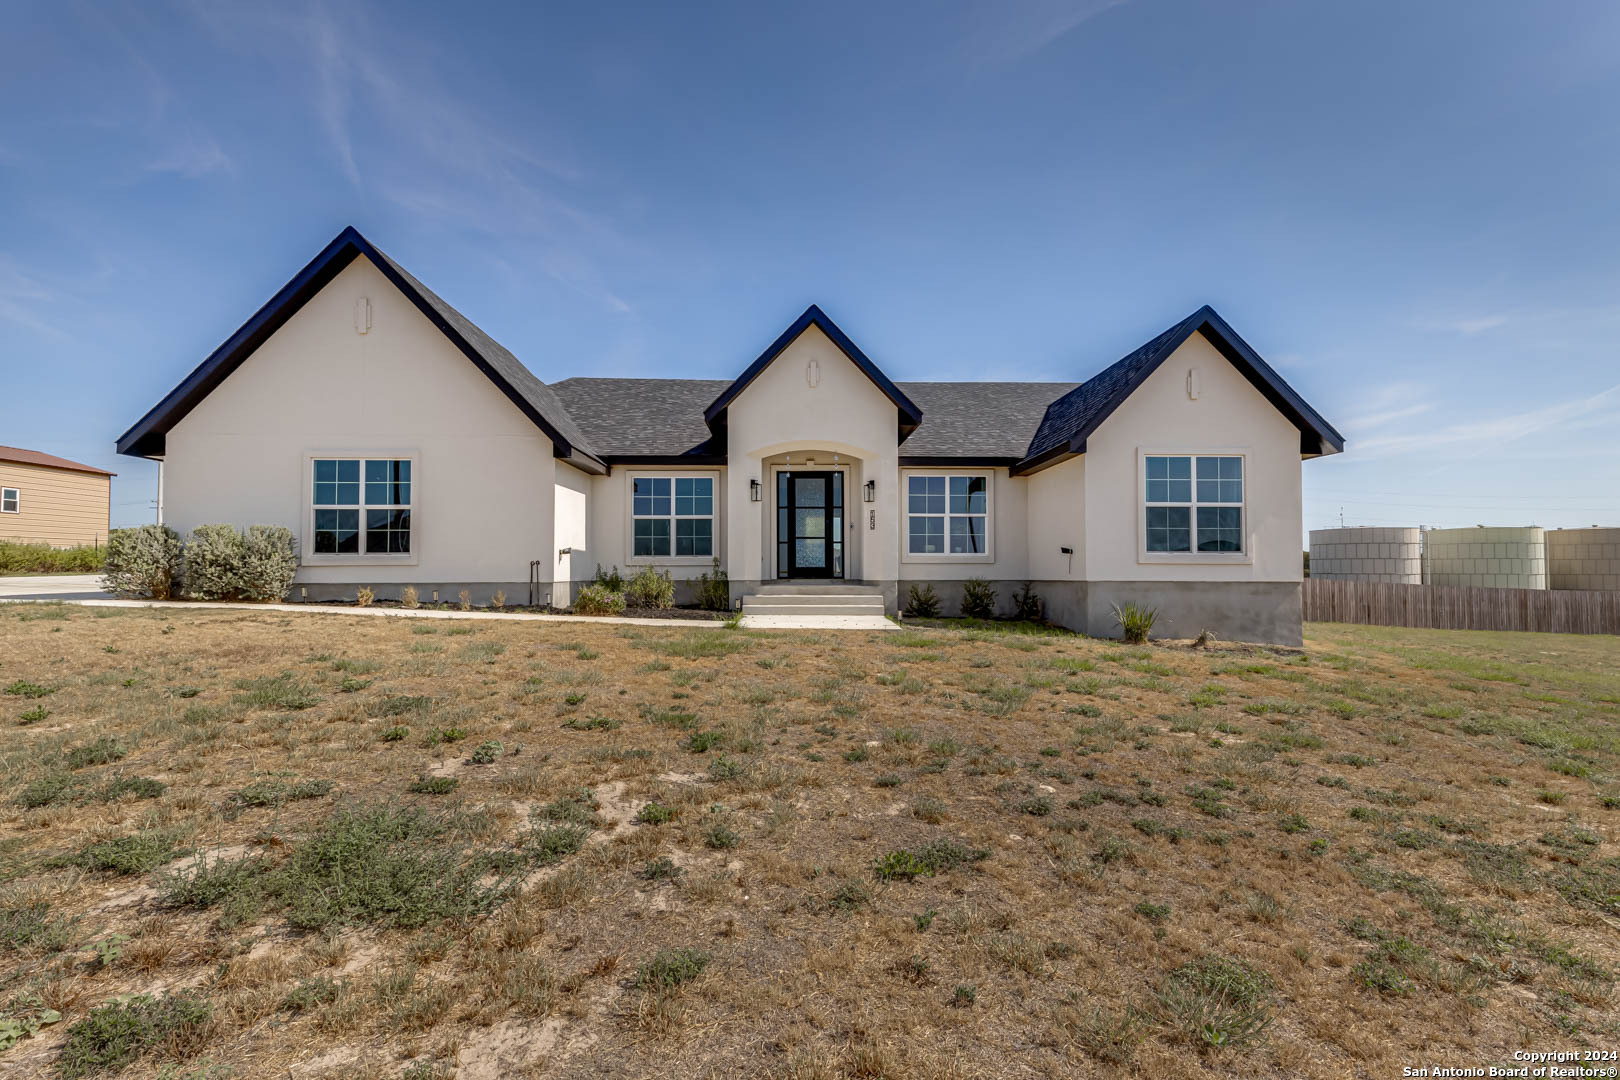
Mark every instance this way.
x=871 y=491
x=753 y=491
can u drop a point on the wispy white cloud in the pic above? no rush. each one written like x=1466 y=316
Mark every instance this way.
x=1471 y=326
x=1577 y=413
x=395 y=132
x=24 y=296
x=1387 y=416
x=1006 y=33
x=192 y=159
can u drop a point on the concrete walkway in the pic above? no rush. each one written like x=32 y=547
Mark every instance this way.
x=53 y=587
x=817 y=622
x=85 y=590
x=367 y=612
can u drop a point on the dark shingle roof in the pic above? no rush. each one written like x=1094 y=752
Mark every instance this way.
x=650 y=418
x=510 y=369
x=656 y=418
x=978 y=419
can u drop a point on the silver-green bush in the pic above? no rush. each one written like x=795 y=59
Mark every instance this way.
x=650 y=588
x=142 y=562
x=269 y=561
x=213 y=563
x=598 y=600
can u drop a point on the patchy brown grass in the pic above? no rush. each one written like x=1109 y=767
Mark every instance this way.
x=684 y=852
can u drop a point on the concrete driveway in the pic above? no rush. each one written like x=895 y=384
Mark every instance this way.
x=53 y=587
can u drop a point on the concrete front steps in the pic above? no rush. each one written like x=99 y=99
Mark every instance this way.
x=811 y=605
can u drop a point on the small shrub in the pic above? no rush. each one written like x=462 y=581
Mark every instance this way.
x=133 y=854
x=115 y=1034
x=25 y=689
x=1217 y=1002
x=550 y=844
x=922 y=602
x=409 y=598
x=724 y=768
x=45 y=791
x=103 y=751
x=310 y=993
x=654 y=814
x=1135 y=623
x=721 y=837
x=612 y=581
x=143 y=562
x=395 y=733
x=1153 y=913
x=650 y=588
x=964 y=995
x=932 y=858
x=1027 y=604
x=497 y=600
x=464 y=600
x=213 y=558
x=364 y=595
x=978 y=599
x=700 y=742
x=269 y=563
x=486 y=752
x=670 y=968
x=433 y=785
x=599 y=600
x=714 y=590
x=662 y=868
x=276 y=692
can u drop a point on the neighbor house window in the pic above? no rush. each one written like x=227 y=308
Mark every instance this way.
x=1194 y=504
x=947 y=515
x=10 y=501
x=362 y=506
x=672 y=516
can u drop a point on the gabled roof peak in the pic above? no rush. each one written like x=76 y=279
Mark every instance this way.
x=910 y=415
x=1073 y=417
x=518 y=383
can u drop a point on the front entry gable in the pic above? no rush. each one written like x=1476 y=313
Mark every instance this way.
x=910 y=416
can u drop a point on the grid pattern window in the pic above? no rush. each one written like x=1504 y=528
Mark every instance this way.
x=947 y=515
x=1194 y=504
x=10 y=501
x=362 y=506
x=672 y=516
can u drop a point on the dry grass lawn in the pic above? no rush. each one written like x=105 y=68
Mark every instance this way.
x=255 y=844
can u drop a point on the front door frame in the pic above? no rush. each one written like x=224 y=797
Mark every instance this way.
x=779 y=572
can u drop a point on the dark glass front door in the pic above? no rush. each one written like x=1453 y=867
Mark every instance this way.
x=809 y=524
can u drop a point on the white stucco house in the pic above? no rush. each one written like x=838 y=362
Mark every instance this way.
x=402 y=445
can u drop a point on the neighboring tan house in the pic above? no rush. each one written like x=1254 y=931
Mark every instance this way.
x=403 y=446
x=45 y=499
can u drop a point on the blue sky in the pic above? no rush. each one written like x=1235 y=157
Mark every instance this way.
x=1408 y=208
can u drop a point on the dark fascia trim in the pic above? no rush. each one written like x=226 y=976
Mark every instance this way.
x=1317 y=437
x=910 y=415
x=146 y=437
x=932 y=461
x=650 y=460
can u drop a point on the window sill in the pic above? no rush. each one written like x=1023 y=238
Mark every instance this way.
x=947 y=557
x=670 y=560
x=361 y=560
x=1195 y=558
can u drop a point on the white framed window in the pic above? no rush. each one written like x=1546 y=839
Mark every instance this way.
x=360 y=508
x=673 y=516
x=1193 y=505
x=10 y=501
x=947 y=515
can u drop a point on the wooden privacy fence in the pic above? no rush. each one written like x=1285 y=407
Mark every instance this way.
x=1461 y=607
